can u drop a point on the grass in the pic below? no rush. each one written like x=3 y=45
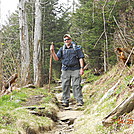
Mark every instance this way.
x=21 y=120
x=91 y=122
x=16 y=119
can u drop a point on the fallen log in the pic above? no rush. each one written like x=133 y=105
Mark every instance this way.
x=125 y=107
x=109 y=92
x=7 y=86
x=10 y=81
x=29 y=86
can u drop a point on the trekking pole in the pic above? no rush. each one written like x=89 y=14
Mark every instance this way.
x=50 y=69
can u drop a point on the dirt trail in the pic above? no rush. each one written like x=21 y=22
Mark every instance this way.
x=67 y=117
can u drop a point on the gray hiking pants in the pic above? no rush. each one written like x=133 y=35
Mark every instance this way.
x=66 y=78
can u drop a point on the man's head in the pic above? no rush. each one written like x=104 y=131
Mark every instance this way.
x=67 y=39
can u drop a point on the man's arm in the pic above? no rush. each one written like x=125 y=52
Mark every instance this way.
x=53 y=53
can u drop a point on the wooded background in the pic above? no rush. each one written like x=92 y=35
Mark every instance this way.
x=99 y=26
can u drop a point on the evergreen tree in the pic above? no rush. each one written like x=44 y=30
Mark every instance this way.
x=88 y=29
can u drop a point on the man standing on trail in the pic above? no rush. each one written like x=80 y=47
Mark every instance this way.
x=71 y=57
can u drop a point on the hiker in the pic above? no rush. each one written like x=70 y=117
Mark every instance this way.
x=71 y=57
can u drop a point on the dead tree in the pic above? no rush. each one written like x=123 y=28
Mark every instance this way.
x=37 y=45
x=24 y=43
x=125 y=107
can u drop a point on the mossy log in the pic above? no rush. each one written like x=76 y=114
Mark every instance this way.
x=125 y=107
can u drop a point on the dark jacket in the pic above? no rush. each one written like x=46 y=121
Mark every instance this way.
x=70 y=57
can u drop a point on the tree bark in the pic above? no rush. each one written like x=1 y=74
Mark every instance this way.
x=24 y=43
x=125 y=107
x=37 y=45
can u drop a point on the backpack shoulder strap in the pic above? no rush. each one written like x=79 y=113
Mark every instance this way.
x=63 y=48
x=75 y=47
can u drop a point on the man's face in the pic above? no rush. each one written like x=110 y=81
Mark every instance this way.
x=67 y=40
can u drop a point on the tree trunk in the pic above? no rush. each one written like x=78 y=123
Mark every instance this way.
x=24 y=43
x=43 y=49
x=37 y=45
x=105 y=63
x=106 y=42
x=125 y=107
x=0 y=51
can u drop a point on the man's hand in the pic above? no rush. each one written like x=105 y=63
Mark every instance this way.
x=53 y=52
x=52 y=48
x=81 y=71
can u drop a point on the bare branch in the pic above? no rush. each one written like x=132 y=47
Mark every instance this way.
x=120 y=31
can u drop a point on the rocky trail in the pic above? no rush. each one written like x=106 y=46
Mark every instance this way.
x=66 y=117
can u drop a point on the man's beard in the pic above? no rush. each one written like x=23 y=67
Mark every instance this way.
x=67 y=44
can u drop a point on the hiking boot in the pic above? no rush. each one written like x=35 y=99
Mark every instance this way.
x=65 y=104
x=80 y=103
